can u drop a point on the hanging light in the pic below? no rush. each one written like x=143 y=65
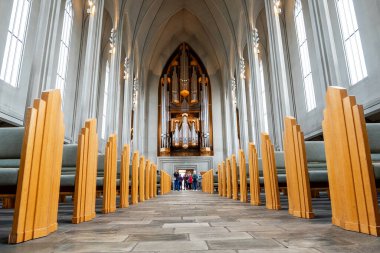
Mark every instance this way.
x=112 y=41
x=91 y=7
x=255 y=37
x=277 y=6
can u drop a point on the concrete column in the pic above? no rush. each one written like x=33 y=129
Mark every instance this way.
x=243 y=112
x=87 y=103
x=43 y=69
x=254 y=101
x=282 y=105
x=325 y=44
x=127 y=103
x=231 y=105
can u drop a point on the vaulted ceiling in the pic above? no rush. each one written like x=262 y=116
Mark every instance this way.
x=215 y=29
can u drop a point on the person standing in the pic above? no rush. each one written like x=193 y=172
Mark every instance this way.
x=186 y=178
x=195 y=181
x=190 y=181
x=176 y=181
x=180 y=182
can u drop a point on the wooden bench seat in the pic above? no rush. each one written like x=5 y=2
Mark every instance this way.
x=10 y=156
x=316 y=164
x=373 y=131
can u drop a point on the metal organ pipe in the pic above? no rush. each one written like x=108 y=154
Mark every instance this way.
x=164 y=114
x=194 y=88
x=204 y=113
x=175 y=95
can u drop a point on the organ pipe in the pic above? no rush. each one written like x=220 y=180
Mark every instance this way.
x=205 y=142
x=165 y=143
x=194 y=87
x=175 y=95
x=184 y=77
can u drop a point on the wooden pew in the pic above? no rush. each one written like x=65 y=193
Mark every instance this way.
x=110 y=175
x=219 y=179
x=297 y=175
x=36 y=206
x=124 y=177
x=229 y=178
x=151 y=176
x=211 y=181
x=243 y=177
x=155 y=180
x=272 y=194
x=254 y=176
x=165 y=183
x=85 y=178
x=350 y=172
x=10 y=156
x=234 y=178
x=224 y=179
x=135 y=178
x=147 y=179
x=142 y=179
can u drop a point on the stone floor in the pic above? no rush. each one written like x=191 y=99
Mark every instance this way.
x=194 y=221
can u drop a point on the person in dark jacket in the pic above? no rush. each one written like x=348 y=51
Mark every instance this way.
x=176 y=181
x=195 y=181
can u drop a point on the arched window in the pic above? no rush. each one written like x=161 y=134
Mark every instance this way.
x=351 y=39
x=64 y=48
x=14 y=47
x=262 y=94
x=105 y=100
x=304 y=56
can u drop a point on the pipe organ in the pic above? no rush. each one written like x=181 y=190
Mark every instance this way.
x=184 y=123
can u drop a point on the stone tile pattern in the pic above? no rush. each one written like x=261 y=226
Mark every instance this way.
x=195 y=222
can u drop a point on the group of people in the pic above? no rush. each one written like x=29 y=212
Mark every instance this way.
x=188 y=181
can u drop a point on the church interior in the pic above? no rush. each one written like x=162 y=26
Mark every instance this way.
x=268 y=110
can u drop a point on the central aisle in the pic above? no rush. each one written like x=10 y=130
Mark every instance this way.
x=195 y=221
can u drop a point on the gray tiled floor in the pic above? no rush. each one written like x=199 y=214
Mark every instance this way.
x=194 y=221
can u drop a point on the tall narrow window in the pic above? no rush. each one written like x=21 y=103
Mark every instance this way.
x=264 y=111
x=14 y=47
x=105 y=101
x=351 y=39
x=64 y=48
x=304 y=57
